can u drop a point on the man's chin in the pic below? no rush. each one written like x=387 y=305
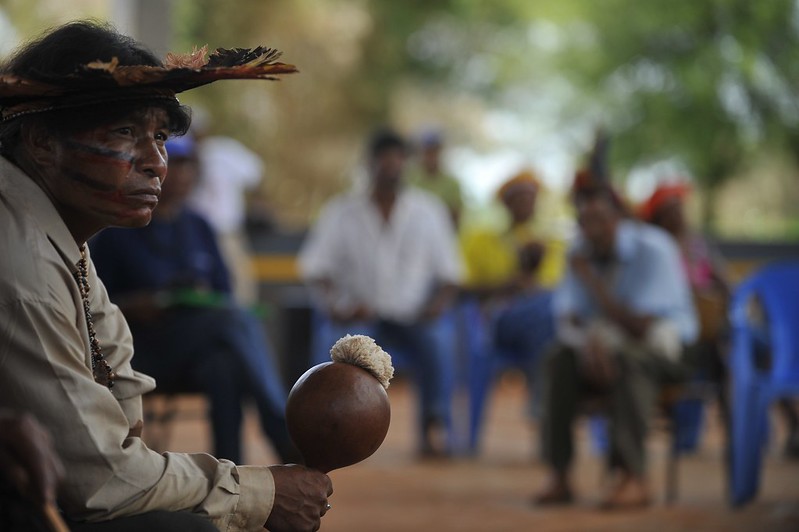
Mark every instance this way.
x=135 y=221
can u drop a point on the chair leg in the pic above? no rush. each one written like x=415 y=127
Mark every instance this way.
x=672 y=458
x=480 y=378
x=745 y=444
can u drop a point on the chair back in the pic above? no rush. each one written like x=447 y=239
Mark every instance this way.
x=777 y=288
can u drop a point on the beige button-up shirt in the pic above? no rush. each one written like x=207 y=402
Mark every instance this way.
x=45 y=368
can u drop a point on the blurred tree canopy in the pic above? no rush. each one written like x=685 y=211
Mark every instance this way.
x=710 y=83
x=713 y=82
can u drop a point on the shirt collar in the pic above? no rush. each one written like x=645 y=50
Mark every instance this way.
x=16 y=184
x=625 y=240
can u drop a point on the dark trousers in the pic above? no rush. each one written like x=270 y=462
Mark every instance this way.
x=158 y=521
x=224 y=354
x=628 y=404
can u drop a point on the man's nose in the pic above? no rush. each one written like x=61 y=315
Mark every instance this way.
x=152 y=159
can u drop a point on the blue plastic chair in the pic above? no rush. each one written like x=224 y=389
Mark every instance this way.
x=756 y=385
x=483 y=364
x=485 y=361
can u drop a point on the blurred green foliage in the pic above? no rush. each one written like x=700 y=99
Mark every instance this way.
x=711 y=83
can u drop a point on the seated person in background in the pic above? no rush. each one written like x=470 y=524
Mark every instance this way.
x=624 y=314
x=172 y=285
x=706 y=272
x=384 y=262
x=428 y=174
x=511 y=272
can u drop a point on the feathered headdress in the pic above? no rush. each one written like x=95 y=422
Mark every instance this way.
x=663 y=193
x=100 y=81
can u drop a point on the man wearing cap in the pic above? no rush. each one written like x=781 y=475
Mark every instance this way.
x=428 y=174
x=85 y=114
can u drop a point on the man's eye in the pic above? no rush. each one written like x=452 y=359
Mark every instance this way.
x=124 y=130
x=162 y=137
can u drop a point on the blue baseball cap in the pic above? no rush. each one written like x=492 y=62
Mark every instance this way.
x=181 y=147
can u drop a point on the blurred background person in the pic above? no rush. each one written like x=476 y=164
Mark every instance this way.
x=511 y=273
x=706 y=272
x=492 y=256
x=428 y=174
x=385 y=262
x=171 y=282
x=624 y=316
x=228 y=171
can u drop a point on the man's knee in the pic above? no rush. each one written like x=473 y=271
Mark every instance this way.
x=559 y=359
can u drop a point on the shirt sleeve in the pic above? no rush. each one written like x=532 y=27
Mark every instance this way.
x=447 y=262
x=664 y=291
x=44 y=370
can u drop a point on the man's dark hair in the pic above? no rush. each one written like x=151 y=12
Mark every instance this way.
x=600 y=191
x=62 y=51
x=385 y=139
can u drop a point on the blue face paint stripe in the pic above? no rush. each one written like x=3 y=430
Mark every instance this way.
x=97 y=150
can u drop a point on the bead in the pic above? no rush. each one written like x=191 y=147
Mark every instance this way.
x=101 y=370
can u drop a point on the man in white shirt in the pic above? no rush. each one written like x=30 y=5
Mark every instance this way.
x=384 y=262
x=228 y=171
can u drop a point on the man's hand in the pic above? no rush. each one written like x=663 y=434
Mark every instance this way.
x=142 y=306
x=581 y=265
x=441 y=301
x=359 y=313
x=27 y=457
x=598 y=364
x=300 y=499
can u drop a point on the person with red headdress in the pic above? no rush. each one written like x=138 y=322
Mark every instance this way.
x=706 y=271
x=704 y=266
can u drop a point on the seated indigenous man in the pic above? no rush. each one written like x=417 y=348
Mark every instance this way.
x=624 y=314
x=85 y=115
x=171 y=283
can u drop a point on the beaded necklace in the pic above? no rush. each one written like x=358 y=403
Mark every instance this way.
x=101 y=370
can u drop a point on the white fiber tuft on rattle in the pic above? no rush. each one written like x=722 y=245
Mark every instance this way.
x=362 y=351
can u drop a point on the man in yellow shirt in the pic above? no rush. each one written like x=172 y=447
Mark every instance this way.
x=493 y=266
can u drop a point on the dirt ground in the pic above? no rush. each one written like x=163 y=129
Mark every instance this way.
x=394 y=491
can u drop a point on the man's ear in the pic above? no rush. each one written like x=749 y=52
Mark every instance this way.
x=40 y=145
